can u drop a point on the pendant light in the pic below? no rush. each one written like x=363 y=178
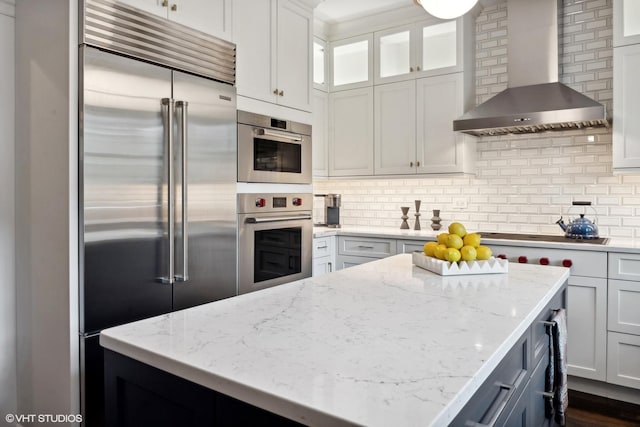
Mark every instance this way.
x=446 y=9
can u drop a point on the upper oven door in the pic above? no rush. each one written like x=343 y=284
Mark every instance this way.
x=274 y=248
x=268 y=155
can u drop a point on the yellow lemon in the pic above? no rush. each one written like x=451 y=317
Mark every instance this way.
x=483 y=252
x=452 y=255
x=472 y=239
x=442 y=238
x=468 y=253
x=457 y=228
x=454 y=241
x=440 y=251
x=430 y=248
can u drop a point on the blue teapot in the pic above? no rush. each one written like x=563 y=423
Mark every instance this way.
x=580 y=228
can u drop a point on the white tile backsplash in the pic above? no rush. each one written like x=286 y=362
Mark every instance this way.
x=525 y=182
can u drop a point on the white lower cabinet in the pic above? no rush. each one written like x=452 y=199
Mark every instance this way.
x=623 y=344
x=324 y=255
x=587 y=327
x=587 y=305
x=623 y=359
x=359 y=250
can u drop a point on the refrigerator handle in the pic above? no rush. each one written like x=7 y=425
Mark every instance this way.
x=167 y=118
x=182 y=107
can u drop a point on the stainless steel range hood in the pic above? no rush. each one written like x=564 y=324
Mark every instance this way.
x=534 y=100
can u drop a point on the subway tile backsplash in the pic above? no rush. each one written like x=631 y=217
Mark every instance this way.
x=523 y=183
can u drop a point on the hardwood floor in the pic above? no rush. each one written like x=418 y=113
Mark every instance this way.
x=586 y=410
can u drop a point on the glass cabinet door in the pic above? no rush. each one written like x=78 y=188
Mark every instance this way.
x=626 y=22
x=418 y=50
x=394 y=54
x=439 y=46
x=319 y=64
x=351 y=61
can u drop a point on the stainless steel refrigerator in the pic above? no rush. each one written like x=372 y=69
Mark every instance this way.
x=157 y=192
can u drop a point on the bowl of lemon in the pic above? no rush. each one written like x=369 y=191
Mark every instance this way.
x=458 y=252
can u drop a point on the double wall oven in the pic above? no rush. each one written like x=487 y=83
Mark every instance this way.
x=275 y=226
x=275 y=239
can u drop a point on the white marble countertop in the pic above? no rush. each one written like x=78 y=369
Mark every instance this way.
x=384 y=343
x=615 y=244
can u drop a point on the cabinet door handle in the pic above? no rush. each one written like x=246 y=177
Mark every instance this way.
x=365 y=247
x=330 y=266
x=321 y=247
x=418 y=164
x=174 y=7
x=411 y=69
x=418 y=68
x=411 y=164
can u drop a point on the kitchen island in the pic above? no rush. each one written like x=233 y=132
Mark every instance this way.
x=384 y=343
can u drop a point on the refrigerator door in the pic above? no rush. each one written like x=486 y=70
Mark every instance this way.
x=206 y=221
x=124 y=203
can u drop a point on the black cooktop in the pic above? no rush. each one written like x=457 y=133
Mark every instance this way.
x=541 y=238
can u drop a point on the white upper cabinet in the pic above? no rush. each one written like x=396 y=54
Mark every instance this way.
x=209 y=16
x=626 y=109
x=418 y=50
x=319 y=135
x=351 y=63
x=626 y=22
x=320 y=64
x=413 y=127
x=351 y=132
x=274 y=51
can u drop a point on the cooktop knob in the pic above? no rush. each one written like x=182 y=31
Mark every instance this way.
x=297 y=201
x=522 y=259
x=261 y=203
x=567 y=263
x=544 y=261
x=501 y=256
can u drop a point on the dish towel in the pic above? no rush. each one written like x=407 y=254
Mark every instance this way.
x=559 y=338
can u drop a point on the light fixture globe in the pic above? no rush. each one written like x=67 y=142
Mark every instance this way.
x=446 y=9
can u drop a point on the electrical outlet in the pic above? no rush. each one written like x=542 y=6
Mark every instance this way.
x=460 y=203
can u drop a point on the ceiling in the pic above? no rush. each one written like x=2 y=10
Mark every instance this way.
x=332 y=11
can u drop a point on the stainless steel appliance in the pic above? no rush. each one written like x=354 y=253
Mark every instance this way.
x=332 y=203
x=275 y=233
x=534 y=101
x=271 y=150
x=157 y=176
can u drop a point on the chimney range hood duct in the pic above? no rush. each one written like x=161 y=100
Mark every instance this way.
x=534 y=100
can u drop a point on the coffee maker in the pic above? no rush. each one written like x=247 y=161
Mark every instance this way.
x=331 y=210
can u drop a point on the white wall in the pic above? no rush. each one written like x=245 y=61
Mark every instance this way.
x=7 y=217
x=523 y=183
x=46 y=206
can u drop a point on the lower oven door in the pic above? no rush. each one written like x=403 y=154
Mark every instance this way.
x=274 y=248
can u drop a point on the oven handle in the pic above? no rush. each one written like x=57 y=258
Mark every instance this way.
x=289 y=136
x=256 y=220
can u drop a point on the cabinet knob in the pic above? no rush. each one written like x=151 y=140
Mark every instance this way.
x=275 y=91
x=165 y=3
x=281 y=93
x=411 y=69
x=418 y=68
x=174 y=7
x=411 y=164
x=417 y=164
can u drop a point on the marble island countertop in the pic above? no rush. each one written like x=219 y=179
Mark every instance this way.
x=614 y=244
x=384 y=343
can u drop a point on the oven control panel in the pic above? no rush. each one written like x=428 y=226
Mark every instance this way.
x=285 y=202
